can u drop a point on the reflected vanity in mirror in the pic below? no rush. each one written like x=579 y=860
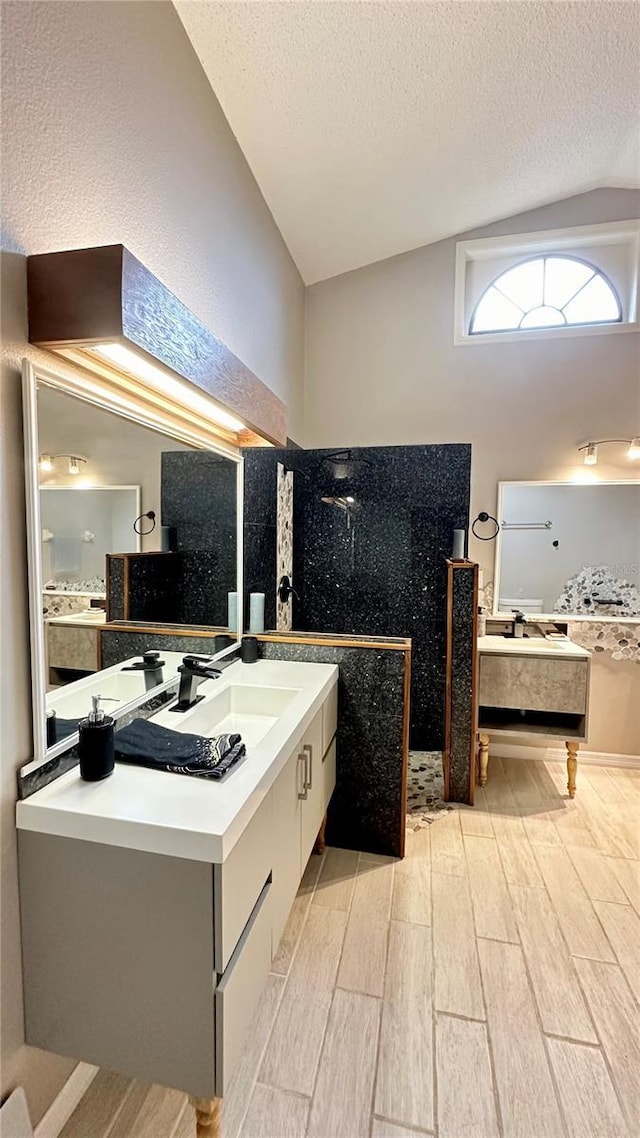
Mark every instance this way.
x=134 y=553
x=569 y=550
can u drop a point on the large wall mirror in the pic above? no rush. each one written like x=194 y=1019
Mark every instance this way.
x=134 y=545
x=569 y=550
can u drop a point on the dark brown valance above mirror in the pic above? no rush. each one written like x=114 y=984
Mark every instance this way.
x=102 y=308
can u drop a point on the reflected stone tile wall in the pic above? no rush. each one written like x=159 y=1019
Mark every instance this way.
x=284 y=545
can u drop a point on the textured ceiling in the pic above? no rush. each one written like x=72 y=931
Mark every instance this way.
x=373 y=128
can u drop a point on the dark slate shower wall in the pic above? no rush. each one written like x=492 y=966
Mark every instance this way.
x=367 y=809
x=198 y=492
x=387 y=575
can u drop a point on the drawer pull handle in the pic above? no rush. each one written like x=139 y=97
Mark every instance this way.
x=309 y=750
x=304 y=792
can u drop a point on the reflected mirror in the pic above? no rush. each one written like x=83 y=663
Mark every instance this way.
x=133 y=550
x=569 y=549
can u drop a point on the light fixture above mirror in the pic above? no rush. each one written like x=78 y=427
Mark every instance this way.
x=46 y=462
x=590 y=450
x=103 y=309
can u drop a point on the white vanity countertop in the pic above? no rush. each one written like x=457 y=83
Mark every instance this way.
x=181 y=816
x=531 y=646
x=83 y=619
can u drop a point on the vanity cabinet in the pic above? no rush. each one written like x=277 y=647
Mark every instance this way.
x=300 y=798
x=151 y=964
x=533 y=687
x=73 y=646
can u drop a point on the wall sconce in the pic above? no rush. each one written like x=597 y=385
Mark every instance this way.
x=103 y=309
x=46 y=461
x=591 y=449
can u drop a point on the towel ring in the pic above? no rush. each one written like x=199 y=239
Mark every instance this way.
x=483 y=516
x=151 y=515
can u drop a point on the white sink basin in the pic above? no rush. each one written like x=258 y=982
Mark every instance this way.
x=74 y=702
x=89 y=616
x=249 y=711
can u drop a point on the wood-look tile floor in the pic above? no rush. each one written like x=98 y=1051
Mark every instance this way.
x=486 y=986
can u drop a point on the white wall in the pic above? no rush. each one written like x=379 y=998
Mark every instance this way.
x=117 y=452
x=110 y=133
x=381 y=367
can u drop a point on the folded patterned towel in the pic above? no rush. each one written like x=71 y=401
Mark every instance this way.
x=147 y=744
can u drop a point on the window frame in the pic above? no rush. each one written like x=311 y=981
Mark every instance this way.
x=572 y=242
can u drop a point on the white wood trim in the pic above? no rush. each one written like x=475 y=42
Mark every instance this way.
x=617 y=233
x=559 y=754
x=130 y=486
x=66 y=1101
x=91 y=390
x=563 y=618
x=14 y=1116
x=34 y=560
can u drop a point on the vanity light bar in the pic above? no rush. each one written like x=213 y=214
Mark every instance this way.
x=591 y=449
x=137 y=365
x=46 y=461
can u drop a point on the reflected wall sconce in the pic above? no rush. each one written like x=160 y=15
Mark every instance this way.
x=590 y=450
x=103 y=309
x=46 y=461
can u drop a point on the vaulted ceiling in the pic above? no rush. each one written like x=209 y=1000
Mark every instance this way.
x=377 y=127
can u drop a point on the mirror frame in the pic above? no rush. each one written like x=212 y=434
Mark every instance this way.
x=559 y=617
x=32 y=378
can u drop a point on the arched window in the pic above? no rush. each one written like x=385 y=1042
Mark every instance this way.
x=546 y=292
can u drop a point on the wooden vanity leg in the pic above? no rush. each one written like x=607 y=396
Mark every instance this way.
x=321 y=845
x=572 y=766
x=208 y=1116
x=483 y=759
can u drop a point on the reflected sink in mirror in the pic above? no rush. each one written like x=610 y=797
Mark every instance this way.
x=238 y=708
x=119 y=683
x=89 y=616
x=74 y=701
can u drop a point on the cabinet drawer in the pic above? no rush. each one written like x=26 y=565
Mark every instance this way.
x=70 y=647
x=329 y=773
x=287 y=869
x=238 y=880
x=534 y=683
x=329 y=718
x=313 y=805
x=239 y=990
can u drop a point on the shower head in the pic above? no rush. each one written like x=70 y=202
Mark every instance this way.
x=342 y=503
x=344 y=465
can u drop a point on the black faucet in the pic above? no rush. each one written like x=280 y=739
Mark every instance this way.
x=152 y=666
x=193 y=670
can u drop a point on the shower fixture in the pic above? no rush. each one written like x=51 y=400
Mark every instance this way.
x=345 y=465
x=342 y=503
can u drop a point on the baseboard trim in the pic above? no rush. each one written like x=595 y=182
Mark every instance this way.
x=559 y=754
x=64 y=1104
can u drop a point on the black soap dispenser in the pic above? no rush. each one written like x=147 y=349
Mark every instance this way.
x=95 y=745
